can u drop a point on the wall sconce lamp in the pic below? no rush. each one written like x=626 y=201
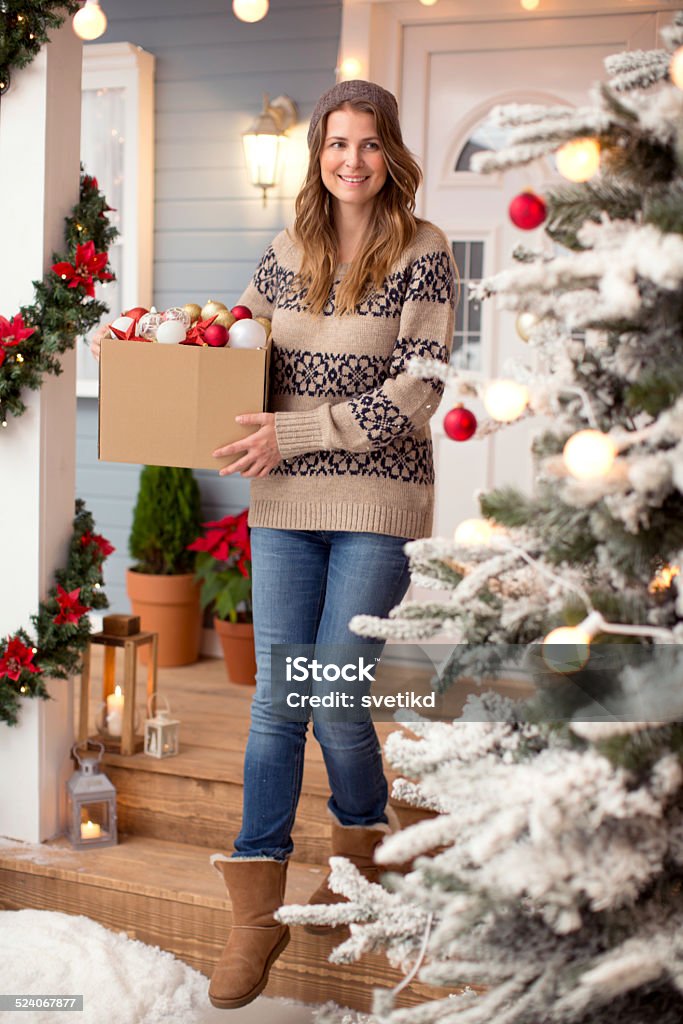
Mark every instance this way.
x=264 y=141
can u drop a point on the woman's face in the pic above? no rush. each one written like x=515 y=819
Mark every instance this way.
x=352 y=166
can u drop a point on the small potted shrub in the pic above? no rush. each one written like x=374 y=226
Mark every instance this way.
x=223 y=570
x=161 y=585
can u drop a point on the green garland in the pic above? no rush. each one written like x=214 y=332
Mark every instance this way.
x=64 y=306
x=61 y=626
x=24 y=26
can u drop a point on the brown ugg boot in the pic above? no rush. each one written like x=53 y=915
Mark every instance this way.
x=357 y=844
x=257 y=889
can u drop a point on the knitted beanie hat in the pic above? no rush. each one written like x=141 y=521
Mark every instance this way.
x=355 y=90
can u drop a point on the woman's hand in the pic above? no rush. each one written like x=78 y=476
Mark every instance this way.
x=101 y=332
x=262 y=452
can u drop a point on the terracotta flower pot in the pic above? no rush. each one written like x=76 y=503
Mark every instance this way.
x=237 y=641
x=169 y=606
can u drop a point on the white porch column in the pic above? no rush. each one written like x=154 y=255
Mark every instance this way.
x=40 y=120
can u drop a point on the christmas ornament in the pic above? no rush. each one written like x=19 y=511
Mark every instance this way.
x=122 y=323
x=460 y=423
x=211 y=308
x=171 y=332
x=676 y=68
x=130 y=333
x=195 y=335
x=241 y=312
x=473 y=532
x=177 y=313
x=505 y=400
x=527 y=210
x=136 y=312
x=579 y=159
x=149 y=324
x=193 y=311
x=524 y=325
x=589 y=454
x=247 y=334
x=216 y=335
x=265 y=323
x=225 y=318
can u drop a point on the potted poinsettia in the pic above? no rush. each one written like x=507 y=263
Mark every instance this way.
x=223 y=570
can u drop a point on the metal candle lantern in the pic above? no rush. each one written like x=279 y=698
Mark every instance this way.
x=91 y=800
x=161 y=731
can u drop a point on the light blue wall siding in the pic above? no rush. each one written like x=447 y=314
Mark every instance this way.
x=210 y=226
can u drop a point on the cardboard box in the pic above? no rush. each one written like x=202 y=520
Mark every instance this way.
x=172 y=405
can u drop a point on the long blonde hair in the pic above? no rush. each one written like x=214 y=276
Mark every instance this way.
x=392 y=228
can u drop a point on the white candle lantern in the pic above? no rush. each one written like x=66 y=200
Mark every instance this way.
x=161 y=731
x=91 y=801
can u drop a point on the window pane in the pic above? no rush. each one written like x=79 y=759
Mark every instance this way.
x=466 y=353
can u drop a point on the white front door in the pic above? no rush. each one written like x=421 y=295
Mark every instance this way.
x=452 y=75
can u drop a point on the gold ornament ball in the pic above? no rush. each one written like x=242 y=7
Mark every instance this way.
x=211 y=307
x=579 y=159
x=193 y=310
x=265 y=324
x=225 y=319
x=676 y=68
x=524 y=325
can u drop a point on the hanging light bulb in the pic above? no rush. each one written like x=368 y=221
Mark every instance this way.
x=530 y=5
x=676 y=68
x=250 y=10
x=663 y=578
x=589 y=454
x=474 y=532
x=427 y=3
x=505 y=400
x=90 y=22
x=578 y=159
x=350 y=68
x=525 y=323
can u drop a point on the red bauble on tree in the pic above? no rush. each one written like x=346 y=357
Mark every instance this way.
x=460 y=423
x=527 y=211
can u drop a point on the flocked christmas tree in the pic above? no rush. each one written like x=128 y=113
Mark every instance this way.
x=548 y=887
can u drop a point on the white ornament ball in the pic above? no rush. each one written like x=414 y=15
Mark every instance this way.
x=247 y=334
x=171 y=332
x=121 y=324
x=179 y=314
x=505 y=400
x=676 y=68
x=589 y=454
x=148 y=324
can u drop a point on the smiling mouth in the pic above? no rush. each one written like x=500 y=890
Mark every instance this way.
x=354 y=181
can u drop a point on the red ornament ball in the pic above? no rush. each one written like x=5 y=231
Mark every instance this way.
x=241 y=312
x=460 y=423
x=215 y=335
x=527 y=211
x=136 y=312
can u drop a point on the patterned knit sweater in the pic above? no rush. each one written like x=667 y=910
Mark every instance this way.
x=352 y=425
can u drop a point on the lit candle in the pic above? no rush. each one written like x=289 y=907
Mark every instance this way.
x=90 y=830
x=115 y=712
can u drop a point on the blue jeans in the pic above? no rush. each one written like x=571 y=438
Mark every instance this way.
x=307 y=585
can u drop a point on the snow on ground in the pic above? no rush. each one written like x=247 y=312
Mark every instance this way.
x=122 y=981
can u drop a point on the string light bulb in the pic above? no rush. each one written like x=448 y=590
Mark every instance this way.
x=579 y=159
x=20 y=358
x=529 y=5
x=473 y=532
x=567 y=648
x=589 y=454
x=663 y=578
x=350 y=68
x=505 y=400
x=250 y=10
x=525 y=323
x=90 y=22
x=427 y=3
x=676 y=68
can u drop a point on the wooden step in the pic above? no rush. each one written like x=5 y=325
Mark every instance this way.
x=166 y=894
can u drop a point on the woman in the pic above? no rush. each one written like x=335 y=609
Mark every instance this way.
x=343 y=477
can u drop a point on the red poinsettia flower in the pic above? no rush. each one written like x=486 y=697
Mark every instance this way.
x=99 y=541
x=195 y=335
x=17 y=658
x=226 y=537
x=11 y=333
x=70 y=609
x=90 y=181
x=89 y=266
